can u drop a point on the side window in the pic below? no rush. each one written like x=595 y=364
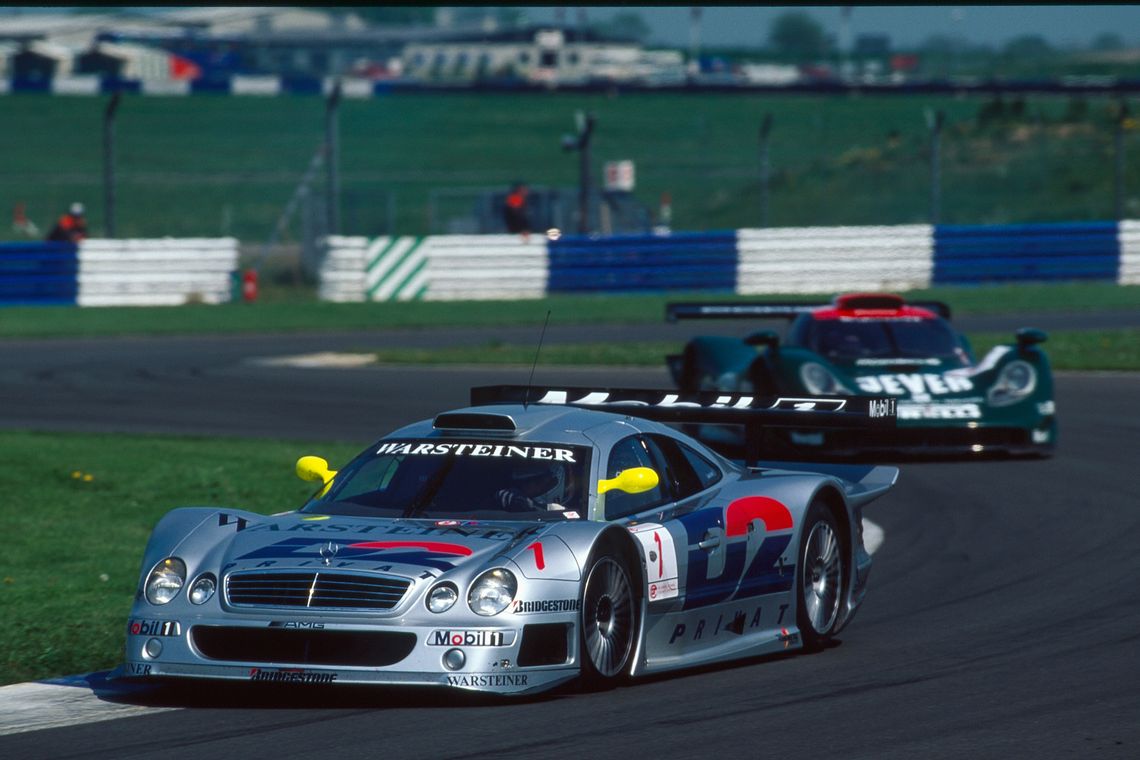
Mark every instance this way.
x=690 y=472
x=627 y=453
x=707 y=472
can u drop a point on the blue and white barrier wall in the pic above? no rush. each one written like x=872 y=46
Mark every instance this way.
x=436 y=267
x=471 y=267
x=826 y=259
x=1027 y=252
x=159 y=272
x=744 y=262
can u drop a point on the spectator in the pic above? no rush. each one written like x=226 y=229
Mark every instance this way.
x=515 y=210
x=21 y=223
x=71 y=227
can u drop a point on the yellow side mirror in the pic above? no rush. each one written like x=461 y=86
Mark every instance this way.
x=633 y=480
x=315 y=469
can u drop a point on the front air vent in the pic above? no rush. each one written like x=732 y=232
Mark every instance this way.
x=473 y=421
x=544 y=644
x=314 y=589
x=302 y=647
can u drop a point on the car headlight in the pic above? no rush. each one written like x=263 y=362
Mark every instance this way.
x=165 y=580
x=1016 y=380
x=819 y=381
x=203 y=588
x=442 y=597
x=492 y=592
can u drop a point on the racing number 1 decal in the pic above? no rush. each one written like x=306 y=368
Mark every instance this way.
x=539 y=560
x=661 y=560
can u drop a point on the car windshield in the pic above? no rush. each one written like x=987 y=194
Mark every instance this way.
x=461 y=479
x=908 y=338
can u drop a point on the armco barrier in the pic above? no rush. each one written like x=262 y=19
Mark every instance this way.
x=1128 y=239
x=385 y=269
x=161 y=272
x=158 y=272
x=172 y=271
x=683 y=261
x=826 y=259
x=38 y=273
x=745 y=262
x=436 y=267
x=478 y=267
x=1026 y=252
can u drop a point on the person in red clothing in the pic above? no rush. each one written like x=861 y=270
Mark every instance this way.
x=514 y=209
x=71 y=227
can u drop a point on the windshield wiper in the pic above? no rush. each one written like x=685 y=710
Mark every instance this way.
x=431 y=487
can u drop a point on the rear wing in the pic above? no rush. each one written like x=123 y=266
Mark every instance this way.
x=939 y=308
x=738 y=310
x=754 y=413
x=770 y=310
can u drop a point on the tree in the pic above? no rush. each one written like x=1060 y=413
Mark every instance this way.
x=504 y=17
x=623 y=26
x=1108 y=41
x=798 y=35
x=390 y=15
x=1027 y=46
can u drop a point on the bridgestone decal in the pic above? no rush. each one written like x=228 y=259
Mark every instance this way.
x=546 y=605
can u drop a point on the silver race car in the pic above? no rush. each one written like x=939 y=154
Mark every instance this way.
x=538 y=536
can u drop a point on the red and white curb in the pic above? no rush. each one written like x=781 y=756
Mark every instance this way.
x=71 y=701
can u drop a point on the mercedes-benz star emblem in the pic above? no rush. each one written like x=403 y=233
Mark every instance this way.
x=328 y=551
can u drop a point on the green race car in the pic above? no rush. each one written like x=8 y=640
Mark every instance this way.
x=876 y=345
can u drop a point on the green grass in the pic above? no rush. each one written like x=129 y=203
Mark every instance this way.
x=286 y=314
x=1091 y=350
x=70 y=565
x=204 y=166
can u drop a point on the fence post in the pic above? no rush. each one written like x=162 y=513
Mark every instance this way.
x=934 y=121
x=581 y=143
x=332 y=145
x=109 y=164
x=1118 y=170
x=765 y=168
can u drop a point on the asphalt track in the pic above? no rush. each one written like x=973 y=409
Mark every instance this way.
x=1003 y=618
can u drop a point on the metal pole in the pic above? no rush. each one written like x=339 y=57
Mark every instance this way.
x=1118 y=173
x=584 y=135
x=694 y=68
x=583 y=190
x=332 y=146
x=765 y=168
x=109 y=164
x=934 y=121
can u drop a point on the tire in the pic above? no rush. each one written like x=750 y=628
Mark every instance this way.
x=608 y=627
x=822 y=577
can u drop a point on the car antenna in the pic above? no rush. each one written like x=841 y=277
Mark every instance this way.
x=530 y=379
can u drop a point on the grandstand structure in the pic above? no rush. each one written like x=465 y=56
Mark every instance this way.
x=216 y=43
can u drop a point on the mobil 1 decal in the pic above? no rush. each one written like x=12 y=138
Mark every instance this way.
x=741 y=553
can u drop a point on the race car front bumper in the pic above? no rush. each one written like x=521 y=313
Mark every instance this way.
x=501 y=660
